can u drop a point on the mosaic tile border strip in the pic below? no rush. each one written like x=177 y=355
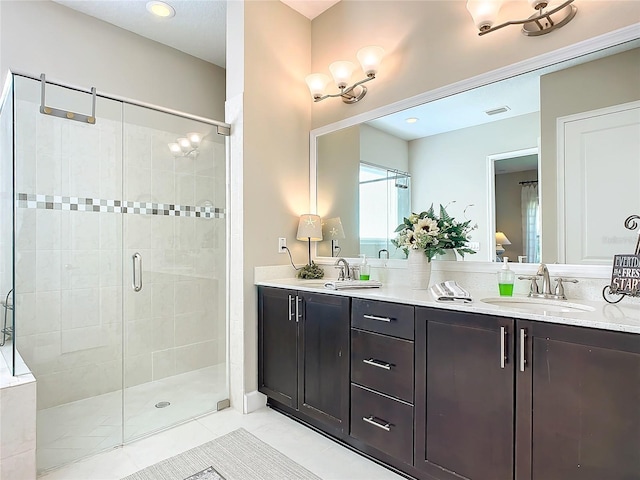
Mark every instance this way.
x=80 y=204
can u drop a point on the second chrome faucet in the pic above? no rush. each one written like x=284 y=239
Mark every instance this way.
x=543 y=272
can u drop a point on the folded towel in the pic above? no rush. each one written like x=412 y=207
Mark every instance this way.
x=450 y=291
x=349 y=284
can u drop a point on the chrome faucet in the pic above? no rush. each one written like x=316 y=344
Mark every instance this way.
x=543 y=271
x=345 y=273
x=546 y=281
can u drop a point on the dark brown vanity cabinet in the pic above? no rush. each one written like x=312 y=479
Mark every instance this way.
x=303 y=353
x=498 y=398
x=465 y=407
x=382 y=375
x=578 y=403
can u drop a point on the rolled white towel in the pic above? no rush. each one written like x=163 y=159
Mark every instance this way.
x=450 y=291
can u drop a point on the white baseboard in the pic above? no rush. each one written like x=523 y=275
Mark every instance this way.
x=253 y=401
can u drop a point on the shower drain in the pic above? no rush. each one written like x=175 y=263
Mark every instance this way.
x=162 y=404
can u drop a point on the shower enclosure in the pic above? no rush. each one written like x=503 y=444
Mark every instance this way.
x=120 y=256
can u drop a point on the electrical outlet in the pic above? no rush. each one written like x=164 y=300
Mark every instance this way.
x=474 y=246
x=282 y=245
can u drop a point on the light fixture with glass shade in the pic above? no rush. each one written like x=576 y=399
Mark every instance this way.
x=186 y=146
x=543 y=21
x=310 y=230
x=369 y=58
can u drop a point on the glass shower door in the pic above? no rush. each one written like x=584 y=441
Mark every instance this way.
x=175 y=358
x=68 y=288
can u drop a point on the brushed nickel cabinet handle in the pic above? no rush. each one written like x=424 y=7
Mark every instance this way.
x=372 y=420
x=290 y=308
x=381 y=319
x=377 y=363
x=298 y=314
x=523 y=344
x=503 y=341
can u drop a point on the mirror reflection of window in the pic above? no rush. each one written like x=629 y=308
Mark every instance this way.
x=385 y=197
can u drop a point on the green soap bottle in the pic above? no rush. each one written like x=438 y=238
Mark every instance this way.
x=506 y=277
x=364 y=268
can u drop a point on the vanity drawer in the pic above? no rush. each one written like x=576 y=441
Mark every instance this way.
x=382 y=422
x=382 y=363
x=388 y=318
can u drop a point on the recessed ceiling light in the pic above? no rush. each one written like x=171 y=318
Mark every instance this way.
x=161 y=9
x=411 y=120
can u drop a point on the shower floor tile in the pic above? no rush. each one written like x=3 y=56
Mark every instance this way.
x=79 y=429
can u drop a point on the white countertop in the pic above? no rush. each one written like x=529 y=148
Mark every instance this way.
x=623 y=317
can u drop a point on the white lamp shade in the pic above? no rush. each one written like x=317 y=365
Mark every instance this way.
x=501 y=239
x=332 y=229
x=484 y=12
x=317 y=82
x=194 y=139
x=309 y=228
x=175 y=148
x=342 y=71
x=185 y=144
x=370 y=58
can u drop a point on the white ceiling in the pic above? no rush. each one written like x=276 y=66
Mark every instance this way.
x=520 y=94
x=198 y=27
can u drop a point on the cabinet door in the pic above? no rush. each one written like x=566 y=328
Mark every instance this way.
x=464 y=409
x=278 y=345
x=324 y=359
x=578 y=404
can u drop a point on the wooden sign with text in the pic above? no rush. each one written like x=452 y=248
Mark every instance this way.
x=625 y=276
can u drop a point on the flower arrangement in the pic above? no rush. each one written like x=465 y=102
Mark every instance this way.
x=433 y=234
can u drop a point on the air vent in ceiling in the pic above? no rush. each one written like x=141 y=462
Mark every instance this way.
x=498 y=110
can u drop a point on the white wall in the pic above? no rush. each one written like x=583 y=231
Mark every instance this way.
x=601 y=83
x=452 y=167
x=271 y=114
x=41 y=36
x=383 y=149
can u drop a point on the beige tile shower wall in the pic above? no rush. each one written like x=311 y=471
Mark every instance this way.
x=176 y=323
x=74 y=268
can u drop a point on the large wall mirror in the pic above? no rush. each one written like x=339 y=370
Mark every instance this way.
x=550 y=158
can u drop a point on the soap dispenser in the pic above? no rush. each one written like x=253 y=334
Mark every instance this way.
x=506 y=277
x=364 y=268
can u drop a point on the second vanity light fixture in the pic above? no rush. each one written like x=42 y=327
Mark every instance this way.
x=369 y=58
x=186 y=146
x=485 y=13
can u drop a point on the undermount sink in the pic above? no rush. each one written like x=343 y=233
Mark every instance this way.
x=542 y=306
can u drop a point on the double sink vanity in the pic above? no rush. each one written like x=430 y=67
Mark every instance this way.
x=500 y=388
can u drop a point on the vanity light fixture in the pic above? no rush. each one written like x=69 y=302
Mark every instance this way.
x=161 y=9
x=485 y=13
x=369 y=58
x=186 y=146
x=309 y=229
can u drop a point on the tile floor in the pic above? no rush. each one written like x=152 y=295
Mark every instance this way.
x=320 y=455
x=76 y=430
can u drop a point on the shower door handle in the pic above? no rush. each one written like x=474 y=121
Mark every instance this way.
x=137 y=265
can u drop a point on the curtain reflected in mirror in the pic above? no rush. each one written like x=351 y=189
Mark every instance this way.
x=530 y=203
